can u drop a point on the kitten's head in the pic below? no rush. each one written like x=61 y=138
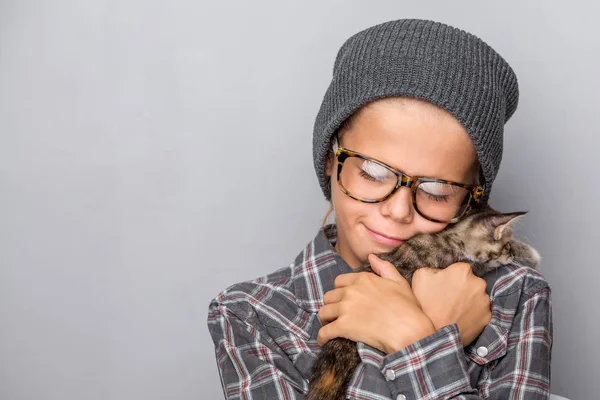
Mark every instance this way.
x=488 y=238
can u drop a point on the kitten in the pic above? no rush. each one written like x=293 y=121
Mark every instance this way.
x=484 y=239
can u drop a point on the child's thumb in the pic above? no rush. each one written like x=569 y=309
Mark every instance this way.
x=385 y=269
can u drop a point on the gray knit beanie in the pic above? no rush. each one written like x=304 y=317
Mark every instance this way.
x=428 y=60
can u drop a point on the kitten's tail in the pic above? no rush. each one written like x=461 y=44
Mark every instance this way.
x=333 y=371
x=329 y=386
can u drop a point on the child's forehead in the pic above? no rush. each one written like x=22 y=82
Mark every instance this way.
x=414 y=123
x=396 y=114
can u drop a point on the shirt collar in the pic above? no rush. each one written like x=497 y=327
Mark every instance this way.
x=316 y=268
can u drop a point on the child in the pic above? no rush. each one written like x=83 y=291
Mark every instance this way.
x=429 y=100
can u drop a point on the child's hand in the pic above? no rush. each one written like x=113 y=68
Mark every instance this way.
x=453 y=295
x=381 y=311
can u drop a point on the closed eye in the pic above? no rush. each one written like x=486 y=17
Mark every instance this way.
x=375 y=172
x=509 y=249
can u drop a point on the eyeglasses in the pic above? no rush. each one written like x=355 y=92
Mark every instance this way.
x=370 y=181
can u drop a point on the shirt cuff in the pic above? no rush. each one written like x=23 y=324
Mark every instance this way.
x=432 y=368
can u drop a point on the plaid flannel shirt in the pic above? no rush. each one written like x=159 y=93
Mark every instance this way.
x=265 y=336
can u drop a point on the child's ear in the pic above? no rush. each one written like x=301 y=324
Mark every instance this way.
x=329 y=166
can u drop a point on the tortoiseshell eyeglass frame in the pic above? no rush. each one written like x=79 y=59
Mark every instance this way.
x=411 y=182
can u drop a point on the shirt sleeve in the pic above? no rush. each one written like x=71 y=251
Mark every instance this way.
x=250 y=364
x=435 y=367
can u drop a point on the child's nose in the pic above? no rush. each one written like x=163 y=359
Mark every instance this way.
x=399 y=206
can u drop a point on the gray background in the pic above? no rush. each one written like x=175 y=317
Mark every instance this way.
x=154 y=152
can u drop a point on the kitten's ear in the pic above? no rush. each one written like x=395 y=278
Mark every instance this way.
x=501 y=221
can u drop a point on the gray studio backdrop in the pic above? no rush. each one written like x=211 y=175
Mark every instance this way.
x=154 y=152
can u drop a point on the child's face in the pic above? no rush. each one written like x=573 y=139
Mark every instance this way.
x=416 y=138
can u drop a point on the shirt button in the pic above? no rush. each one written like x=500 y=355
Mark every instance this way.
x=401 y=397
x=482 y=351
x=390 y=374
